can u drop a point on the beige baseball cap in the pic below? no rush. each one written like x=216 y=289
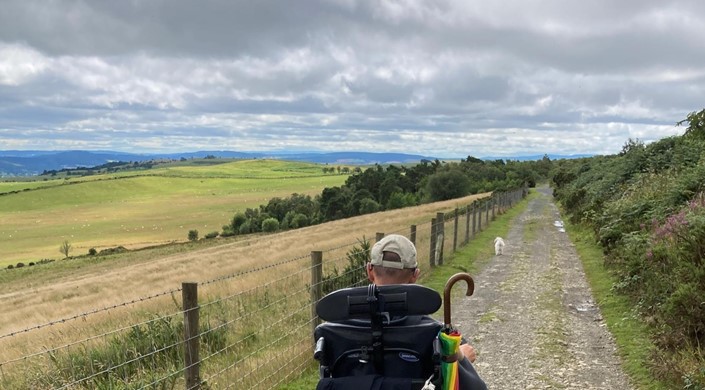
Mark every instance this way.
x=397 y=244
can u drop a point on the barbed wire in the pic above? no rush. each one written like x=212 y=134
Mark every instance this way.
x=236 y=274
x=150 y=385
x=277 y=370
x=285 y=335
x=259 y=287
x=262 y=268
x=91 y=312
x=113 y=368
x=55 y=349
x=249 y=336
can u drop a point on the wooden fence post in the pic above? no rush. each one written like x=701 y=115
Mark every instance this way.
x=189 y=296
x=487 y=213
x=412 y=234
x=432 y=244
x=316 y=287
x=455 y=231
x=474 y=218
x=467 y=224
x=441 y=232
x=494 y=203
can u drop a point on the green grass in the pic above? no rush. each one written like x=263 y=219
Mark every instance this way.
x=142 y=208
x=307 y=381
x=631 y=335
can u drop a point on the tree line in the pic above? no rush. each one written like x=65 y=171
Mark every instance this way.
x=381 y=188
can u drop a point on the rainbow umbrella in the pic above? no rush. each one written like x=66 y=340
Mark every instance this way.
x=450 y=343
x=449 y=337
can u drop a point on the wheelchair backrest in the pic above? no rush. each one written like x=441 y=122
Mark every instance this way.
x=378 y=330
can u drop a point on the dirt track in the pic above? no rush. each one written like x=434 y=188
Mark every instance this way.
x=532 y=318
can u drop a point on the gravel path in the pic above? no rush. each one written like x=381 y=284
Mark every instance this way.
x=532 y=319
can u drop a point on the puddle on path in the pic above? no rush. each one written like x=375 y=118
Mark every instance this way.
x=559 y=225
x=585 y=307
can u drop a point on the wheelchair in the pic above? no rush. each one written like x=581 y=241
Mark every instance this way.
x=378 y=337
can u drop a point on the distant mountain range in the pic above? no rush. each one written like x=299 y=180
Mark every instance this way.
x=34 y=162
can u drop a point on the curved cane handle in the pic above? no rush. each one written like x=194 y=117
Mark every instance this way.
x=446 y=292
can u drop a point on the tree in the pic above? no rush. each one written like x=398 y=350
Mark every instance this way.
x=270 y=225
x=65 y=248
x=369 y=205
x=447 y=185
x=237 y=221
x=696 y=124
x=193 y=235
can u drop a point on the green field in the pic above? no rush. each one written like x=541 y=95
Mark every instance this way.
x=141 y=208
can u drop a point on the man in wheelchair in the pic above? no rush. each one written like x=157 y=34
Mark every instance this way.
x=381 y=336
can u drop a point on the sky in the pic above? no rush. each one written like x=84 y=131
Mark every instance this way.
x=443 y=78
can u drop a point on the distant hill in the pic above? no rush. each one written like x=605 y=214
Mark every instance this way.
x=537 y=157
x=34 y=162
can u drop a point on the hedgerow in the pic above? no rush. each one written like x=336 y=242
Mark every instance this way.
x=647 y=208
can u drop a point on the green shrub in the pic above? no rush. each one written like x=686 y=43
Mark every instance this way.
x=193 y=235
x=675 y=275
x=146 y=353
x=270 y=225
x=446 y=185
x=92 y=252
x=211 y=235
x=238 y=220
x=110 y=251
x=354 y=273
x=245 y=228
x=299 y=220
x=369 y=205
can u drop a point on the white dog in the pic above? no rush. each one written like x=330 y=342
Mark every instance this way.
x=498 y=246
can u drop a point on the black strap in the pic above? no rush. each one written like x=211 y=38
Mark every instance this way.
x=376 y=323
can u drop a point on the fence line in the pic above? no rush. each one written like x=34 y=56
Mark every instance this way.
x=256 y=338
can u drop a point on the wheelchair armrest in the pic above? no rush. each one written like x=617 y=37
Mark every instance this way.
x=318 y=351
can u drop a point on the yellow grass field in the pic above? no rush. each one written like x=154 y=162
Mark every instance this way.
x=142 y=208
x=70 y=287
x=103 y=296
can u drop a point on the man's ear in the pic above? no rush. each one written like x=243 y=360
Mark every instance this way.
x=370 y=273
x=415 y=276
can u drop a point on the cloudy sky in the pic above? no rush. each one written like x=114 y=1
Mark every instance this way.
x=445 y=78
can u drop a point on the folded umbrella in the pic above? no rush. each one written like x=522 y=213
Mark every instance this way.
x=449 y=337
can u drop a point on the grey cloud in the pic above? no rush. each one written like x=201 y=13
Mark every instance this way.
x=447 y=76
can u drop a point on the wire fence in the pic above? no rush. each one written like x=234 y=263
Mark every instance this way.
x=220 y=333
